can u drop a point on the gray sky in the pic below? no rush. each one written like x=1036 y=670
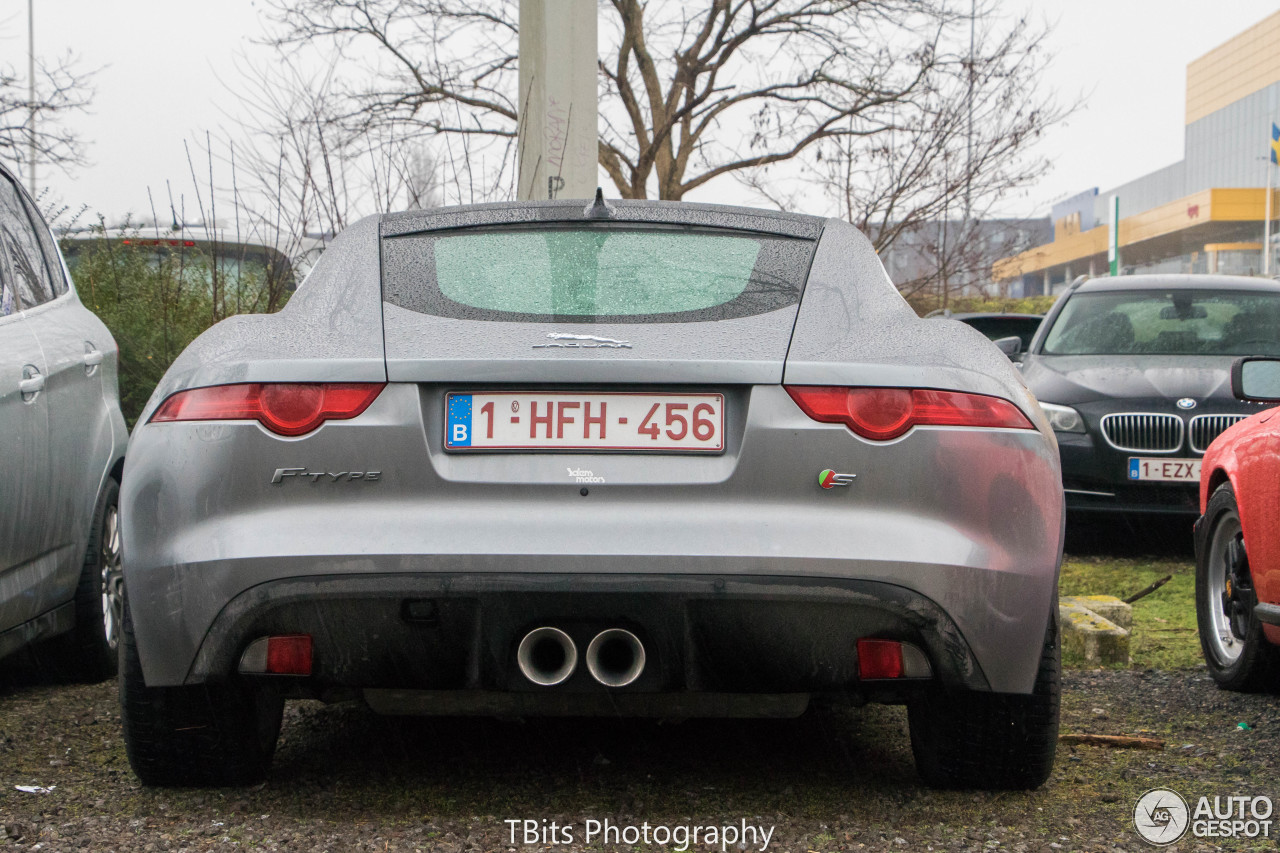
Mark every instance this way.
x=167 y=65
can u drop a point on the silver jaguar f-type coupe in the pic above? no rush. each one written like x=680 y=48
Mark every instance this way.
x=606 y=458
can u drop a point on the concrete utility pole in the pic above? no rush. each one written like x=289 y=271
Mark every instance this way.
x=558 y=130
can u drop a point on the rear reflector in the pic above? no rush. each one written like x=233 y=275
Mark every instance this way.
x=891 y=659
x=289 y=654
x=879 y=659
x=881 y=414
x=285 y=408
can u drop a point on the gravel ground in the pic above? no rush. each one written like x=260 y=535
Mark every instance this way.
x=346 y=779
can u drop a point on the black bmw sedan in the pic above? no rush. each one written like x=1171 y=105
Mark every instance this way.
x=1134 y=375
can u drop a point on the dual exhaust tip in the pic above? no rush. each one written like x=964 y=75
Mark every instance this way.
x=548 y=656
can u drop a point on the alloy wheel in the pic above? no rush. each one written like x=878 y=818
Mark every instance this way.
x=1230 y=596
x=112 y=577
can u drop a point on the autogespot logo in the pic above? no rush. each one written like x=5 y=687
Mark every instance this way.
x=1161 y=816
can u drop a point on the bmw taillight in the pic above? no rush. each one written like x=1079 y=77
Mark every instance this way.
x=285 y=408
x=881 y=414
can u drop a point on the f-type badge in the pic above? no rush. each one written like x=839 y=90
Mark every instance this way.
x=563 y=340
x=829 y=479
x=324 y=476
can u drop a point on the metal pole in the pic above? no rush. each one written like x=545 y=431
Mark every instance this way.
x=968 y=145
x=1113 y=244
x=942 y=249
x=966 y=235
x=31 y=93
x=1266 y=226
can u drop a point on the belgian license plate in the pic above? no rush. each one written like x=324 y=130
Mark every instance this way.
x=1166 y=470
x=519 y=420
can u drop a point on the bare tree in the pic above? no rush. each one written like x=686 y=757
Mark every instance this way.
x=934 y=262
x=690 y=91
x=913 y=119
x=292 y=158
x=931 y=187
x=61 y=88
x=292 y=174
x=419 y=171
x=301 y=160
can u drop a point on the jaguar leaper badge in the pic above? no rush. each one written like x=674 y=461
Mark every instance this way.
x=563 y=340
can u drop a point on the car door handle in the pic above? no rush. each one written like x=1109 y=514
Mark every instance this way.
x=92 y=358
x=31 y=382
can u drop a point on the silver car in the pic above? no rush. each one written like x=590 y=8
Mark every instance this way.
x=633 y=458
x=62 y=441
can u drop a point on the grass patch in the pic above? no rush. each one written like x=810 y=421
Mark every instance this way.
x=1164 y=623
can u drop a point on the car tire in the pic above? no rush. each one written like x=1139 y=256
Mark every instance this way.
x=89 y=651
x=992 y=741
x=1237 y=653
x=200 y=735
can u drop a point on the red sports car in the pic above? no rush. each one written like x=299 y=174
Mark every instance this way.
x=1238 y=539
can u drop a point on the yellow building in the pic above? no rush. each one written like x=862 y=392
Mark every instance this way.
x=1204 y=213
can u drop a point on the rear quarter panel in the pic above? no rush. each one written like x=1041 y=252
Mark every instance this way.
x=855 y=329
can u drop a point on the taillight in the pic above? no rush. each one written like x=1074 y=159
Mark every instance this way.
x=285 y=408
x=884 y=413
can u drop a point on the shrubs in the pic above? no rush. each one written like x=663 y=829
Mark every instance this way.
x=923 y=304
x=156 y=299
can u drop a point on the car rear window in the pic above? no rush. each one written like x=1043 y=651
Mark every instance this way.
x=594 y=273
x=1172 y=322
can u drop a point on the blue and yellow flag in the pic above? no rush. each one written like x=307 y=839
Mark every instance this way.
x=1275 y=143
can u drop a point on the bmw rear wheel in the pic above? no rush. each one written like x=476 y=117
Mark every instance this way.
x=992 y=741
x=1235 y=650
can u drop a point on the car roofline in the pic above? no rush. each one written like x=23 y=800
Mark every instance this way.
x=622 y=211
x=1177 y=281
x=983 y=315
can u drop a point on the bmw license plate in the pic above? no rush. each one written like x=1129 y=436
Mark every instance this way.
x=519 y=420
x=1164 y=470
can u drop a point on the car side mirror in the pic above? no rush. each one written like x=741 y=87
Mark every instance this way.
x=1256 y=379
x=1010 y=346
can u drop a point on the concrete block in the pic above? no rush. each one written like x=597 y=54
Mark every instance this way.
x=1106 y=606
x=1095 y=639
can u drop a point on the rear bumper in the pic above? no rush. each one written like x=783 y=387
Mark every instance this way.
x=701 y=633
x=727 y=625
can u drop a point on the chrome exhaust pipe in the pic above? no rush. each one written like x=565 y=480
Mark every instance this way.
x=547 y=656
x=615 y=657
